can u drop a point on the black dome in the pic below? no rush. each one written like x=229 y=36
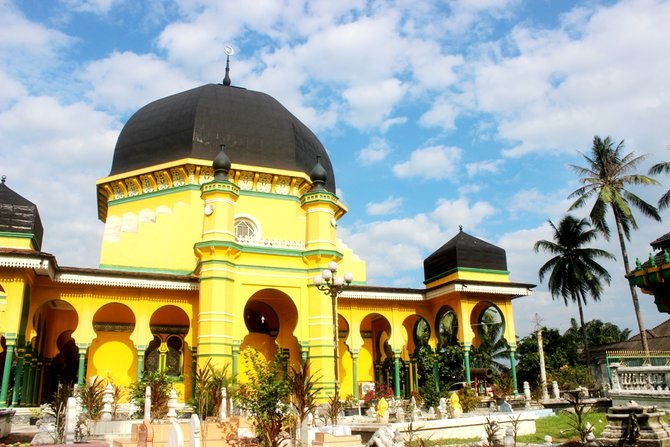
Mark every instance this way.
x=254 y=127
x=19 y=215
x=463 y=251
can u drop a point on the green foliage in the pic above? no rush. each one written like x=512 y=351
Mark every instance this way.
x=265 y=393
x=430 y=394
x=578 y=414
x=56 y=409
x=208 y=383
x=558 y=351
x=468 y=399
x=91 y=394
x=491 y=427
x=558 y=427
x=303 y=391
x=161 y=384
x=571 y=377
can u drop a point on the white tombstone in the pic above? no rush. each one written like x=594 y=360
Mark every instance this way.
x=147 y=404
x=509 y=437
x=175 y=437
x=107 y=401
x=71 y=415
x=194 y=431
x=223 y=410
x=555 y=392
x=172 y=406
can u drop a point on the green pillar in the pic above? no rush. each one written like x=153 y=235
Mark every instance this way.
x=30 y=381
x=6 y=371
x=436 y=372
x=140 y=362
x=194 y=368
x=378 y=372
x=16 y=394
x=81 y=372
x=466 y=359
x=354 y=369
x=39 y=377
x=408 y=386
x=25 y=395
x=396 y=374
x=512 y=362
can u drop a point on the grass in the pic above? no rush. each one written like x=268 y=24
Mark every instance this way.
x=557 y=426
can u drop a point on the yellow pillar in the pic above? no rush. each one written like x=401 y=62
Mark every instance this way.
x=216 y=252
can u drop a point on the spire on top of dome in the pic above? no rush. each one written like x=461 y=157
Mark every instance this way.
x=221 y=165
x=318 y=175
x=229 y=52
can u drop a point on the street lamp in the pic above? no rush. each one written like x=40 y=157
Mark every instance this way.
x=333 y=285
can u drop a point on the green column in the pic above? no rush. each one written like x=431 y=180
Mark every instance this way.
x=354 y=369
x=436 y=372
x=512 y=362
x=140 y=362
x=39 y=377
x=466 y=359
x=30 y=381
x=408 y=385
x=25 y=395
x=81 y=372
x=16 y=394
x=6 y=371
x=194 y=368
x=396 y=375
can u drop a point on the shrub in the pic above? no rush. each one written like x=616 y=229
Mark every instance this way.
x=161 y=385
x=468 y=398
x=265 y=393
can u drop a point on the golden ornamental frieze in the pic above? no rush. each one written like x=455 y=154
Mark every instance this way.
x=190 y=174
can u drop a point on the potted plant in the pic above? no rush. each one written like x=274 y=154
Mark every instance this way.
x=34 y=415
x=351 y=406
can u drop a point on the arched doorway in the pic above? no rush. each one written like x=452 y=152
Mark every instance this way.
x=112 y=354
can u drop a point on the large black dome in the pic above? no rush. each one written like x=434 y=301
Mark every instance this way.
x=255 y=128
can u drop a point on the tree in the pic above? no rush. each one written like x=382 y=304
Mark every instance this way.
x=574 y=272
x=559 y=351
x=605 y=177
x=598 y=332
x=662 y=168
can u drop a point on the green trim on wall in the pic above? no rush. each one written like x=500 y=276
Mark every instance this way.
x=466 y=269
x=126 y=268
x=17 y=234
x=269 y=195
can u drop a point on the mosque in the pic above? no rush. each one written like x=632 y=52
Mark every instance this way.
x=219 y=210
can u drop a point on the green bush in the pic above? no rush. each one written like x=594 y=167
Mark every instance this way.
x=161 y=385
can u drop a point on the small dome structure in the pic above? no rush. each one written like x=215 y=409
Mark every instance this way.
x=254 y=127
x=19 y=215
x=463 y=251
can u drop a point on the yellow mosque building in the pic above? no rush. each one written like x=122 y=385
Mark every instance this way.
x=218 y=212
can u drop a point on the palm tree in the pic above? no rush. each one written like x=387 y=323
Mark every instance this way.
x=662 y=168
x=574 y=272
x=606 y=176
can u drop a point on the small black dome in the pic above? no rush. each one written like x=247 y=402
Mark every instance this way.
x=254 y=127
x=463 y=251
x=19 y=215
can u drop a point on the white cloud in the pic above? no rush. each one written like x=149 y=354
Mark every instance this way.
x=374 y=152
x=484 y=166
x=127 y=81
x=435 y=163
x=92 y=6
x=552 y=205
x=388 y=206
x=370 y=104
x=459 y=212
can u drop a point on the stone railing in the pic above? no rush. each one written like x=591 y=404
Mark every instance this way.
x=640 y=379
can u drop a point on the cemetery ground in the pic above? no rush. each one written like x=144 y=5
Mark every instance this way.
x=557 y=426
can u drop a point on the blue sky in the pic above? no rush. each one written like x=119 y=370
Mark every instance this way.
x=435 y=113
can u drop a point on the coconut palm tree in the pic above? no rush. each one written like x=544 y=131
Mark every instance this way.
x=662 y=168
x=574 y=271
x=605 y=178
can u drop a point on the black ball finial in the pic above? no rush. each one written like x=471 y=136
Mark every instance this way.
x=221 y=165
x=319 y=175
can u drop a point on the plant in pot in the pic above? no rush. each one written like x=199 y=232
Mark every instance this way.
x=34 y=416
x=351 y=406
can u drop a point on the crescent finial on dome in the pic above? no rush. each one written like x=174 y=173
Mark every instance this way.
x=221 y=165
x=226 y=79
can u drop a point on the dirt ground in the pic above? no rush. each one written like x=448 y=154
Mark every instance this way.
x=21 y=438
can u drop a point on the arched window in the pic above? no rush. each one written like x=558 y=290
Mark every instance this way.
x=246 y=229
x=173 y=356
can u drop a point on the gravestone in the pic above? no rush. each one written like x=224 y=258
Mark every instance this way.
x=175 y=437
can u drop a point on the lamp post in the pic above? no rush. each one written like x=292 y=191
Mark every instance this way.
x=333 y=285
